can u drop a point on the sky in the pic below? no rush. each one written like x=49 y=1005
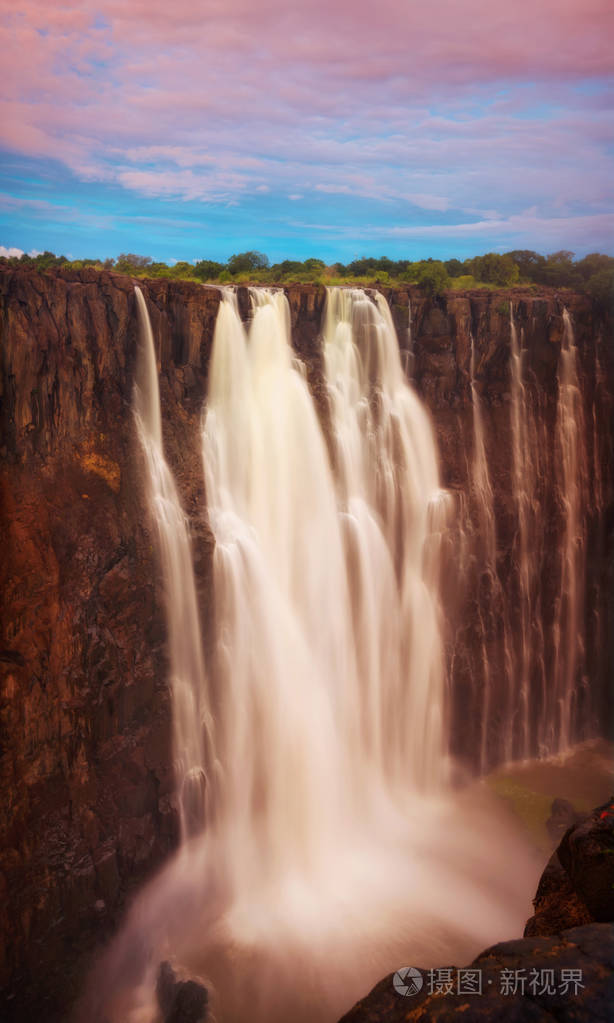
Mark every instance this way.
x=189 y=129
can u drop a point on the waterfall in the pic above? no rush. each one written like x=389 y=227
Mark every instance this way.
x=565 y=711
x=188 y=679
x=336 y=659
x=524 y=644
x=518 y=711
x=482 y=489
x=332 y=847
x=285 y=671
x=493 y=619
x=409 y=358
x=394 y=512
x=480 y=475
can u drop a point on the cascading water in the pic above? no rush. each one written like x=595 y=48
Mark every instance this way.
x=533 y=662
x=480 y=475
x=285 y=672
x=409 y=358
x=562 y=712
x=519 y=737
x=393 y=514
x=188 y=681
x=332 y=849
x=500 y=672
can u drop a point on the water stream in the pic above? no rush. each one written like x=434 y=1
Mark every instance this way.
x=323 y=844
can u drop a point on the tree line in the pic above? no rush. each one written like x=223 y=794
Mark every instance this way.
x=593 y=274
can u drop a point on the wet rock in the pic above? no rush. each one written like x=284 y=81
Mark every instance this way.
x=181 y=1000
x=577 y=885
x=562 y=816
x=557 y=904
x=84 y=706
x=587 y=854
x=567 y=977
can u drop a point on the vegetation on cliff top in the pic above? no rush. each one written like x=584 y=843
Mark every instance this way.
x=594 y=274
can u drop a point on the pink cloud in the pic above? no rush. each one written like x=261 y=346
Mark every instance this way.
x=402 y=103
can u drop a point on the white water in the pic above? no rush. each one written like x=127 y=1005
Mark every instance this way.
x=497 y=677
x=538 y=667
x=568 y=625
x=393 y=513
x=188 y=678
x=333 y=851
x=523 y=473
x=409 y=358
x=480 y=475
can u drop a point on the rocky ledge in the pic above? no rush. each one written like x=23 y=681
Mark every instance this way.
x=557 y=971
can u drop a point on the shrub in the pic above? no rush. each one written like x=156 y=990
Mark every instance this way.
x=207 y=269
x=430 y=275
x=493 y=268
x=246 y=261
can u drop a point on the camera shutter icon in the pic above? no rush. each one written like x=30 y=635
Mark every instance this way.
x=407 y=981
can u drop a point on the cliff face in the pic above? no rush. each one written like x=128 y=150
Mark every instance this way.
x=86 y=767
x=523 y=428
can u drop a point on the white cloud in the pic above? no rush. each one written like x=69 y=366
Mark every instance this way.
x=10 y=252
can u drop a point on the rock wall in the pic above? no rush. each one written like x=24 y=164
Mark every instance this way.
x=86 y=805
x=86 y=781
x=443 y=333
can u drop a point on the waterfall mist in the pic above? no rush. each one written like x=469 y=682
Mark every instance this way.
x=321 y=837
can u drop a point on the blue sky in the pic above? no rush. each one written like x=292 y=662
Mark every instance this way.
x=202 y=129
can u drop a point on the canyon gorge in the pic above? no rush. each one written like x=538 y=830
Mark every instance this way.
x=519 y=388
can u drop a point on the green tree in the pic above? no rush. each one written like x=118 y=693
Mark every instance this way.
x=243 y=262
x=159 y=270
x=530 y=264
x=207 y=269
x=600 y=286
x=48 y=260
x=129 y=263
x=287 y=266
x=493 y=268
x=454 y=267
x=182 y=269
x=593 y=264
x=560 y=270
x=314 y=265
x=430 y=275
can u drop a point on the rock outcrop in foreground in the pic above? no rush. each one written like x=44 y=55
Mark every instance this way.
x=565 y=973
x=577 y=886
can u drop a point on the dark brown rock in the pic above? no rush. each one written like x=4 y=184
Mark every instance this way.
x=557 y=904
x=586 y=853
x=510 y=990
x=577 y=885
x=181 y=1000
x=86 y=782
